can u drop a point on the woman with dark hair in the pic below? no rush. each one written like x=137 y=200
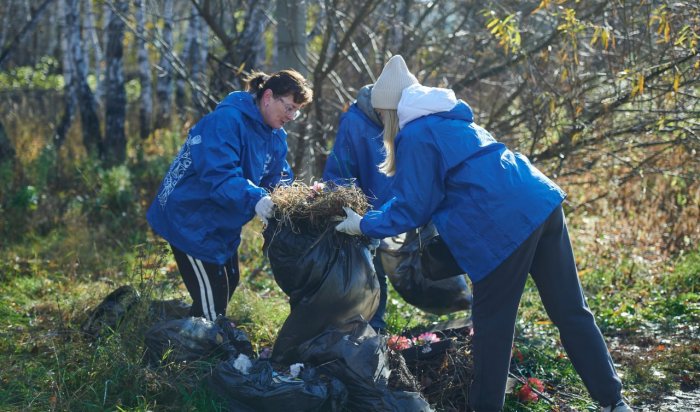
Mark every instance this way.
x=501 y=218
x=221 y=179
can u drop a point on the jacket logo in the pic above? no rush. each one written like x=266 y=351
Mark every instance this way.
x=266 y=165
x=177 y=170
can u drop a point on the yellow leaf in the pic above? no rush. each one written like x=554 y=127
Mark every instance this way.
x=605 y=37
x=596 y=34
x=667 y=32
x=639 y=87
x=676 y=82
x=543 y=5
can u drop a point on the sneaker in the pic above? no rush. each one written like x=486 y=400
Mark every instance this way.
x=620 y=406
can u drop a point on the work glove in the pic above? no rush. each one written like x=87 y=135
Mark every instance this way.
x=264 y=209
x=351 y=224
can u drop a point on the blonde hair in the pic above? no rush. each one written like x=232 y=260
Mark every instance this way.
x=390 y=119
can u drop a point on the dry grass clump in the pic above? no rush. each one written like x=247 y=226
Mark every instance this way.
x=317 y=205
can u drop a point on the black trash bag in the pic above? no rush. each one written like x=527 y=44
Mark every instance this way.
x=188 y=339
x=261 y=389
x=107 y=316
x=401 y=258
x=328 y=276
x=358 y=358
x=160 y=310
x=236 y=337
x=437 y=259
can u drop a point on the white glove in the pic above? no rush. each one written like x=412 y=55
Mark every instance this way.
x=264 y=209
x=351 y=224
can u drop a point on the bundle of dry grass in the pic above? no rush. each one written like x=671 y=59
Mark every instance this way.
x=317 y=205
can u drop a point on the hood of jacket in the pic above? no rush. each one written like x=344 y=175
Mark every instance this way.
x=245 y=103
x=418 y=101
x=364 y=102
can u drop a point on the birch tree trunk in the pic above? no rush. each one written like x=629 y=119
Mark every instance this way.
x=251 y=47
x=194 y=56
x=93 y=41
x=70 y=98
x=199 y=66
x=115 y=106
x=106 y=17
x=89 y=120
x=164 y=88
x=291 y=35
x=146 y=109
x=188 y=58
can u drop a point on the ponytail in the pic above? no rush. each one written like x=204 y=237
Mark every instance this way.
x=255 y=82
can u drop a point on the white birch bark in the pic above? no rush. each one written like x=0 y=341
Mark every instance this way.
x=115 y=105
x=146 y=109
x=93 y=44
x=164 y=88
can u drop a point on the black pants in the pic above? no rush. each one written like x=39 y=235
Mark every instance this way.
x=210 y=285
x=548 y=257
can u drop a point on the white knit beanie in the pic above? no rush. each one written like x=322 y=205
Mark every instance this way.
x=395 y=77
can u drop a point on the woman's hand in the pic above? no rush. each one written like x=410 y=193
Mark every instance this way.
x=264 y=209
x=351 y=224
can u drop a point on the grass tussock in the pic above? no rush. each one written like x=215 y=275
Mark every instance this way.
x=318 y=204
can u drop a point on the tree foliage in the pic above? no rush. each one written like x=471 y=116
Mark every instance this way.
x=599 y=94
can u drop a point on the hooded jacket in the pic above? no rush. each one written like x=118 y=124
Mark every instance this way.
x=230 y=160
x=483 y=199
x=358 y=150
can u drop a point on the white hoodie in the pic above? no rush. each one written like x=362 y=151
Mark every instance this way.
x=418 y=101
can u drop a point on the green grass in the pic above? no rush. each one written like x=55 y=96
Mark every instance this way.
x=50 y=366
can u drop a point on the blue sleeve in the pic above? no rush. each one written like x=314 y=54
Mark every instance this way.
x=217 y=160
x=418 y=189
x=341 y=165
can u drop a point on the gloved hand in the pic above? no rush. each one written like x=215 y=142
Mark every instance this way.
x=264 y=209
x=351 y=224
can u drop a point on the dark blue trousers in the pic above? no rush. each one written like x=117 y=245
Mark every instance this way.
x=548 y=257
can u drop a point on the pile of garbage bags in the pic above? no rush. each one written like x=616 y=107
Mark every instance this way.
x=326 y=356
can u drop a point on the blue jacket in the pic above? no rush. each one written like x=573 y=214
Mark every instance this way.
x=484 y=199
x=358 y=150
x=230 y=160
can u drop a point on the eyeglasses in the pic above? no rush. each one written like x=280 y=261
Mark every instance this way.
x=289 y=109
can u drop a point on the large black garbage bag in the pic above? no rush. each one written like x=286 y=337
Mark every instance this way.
x=328 y=276
x=159 y=310
x=402 y=260
x=262 y=390
x=358 y=358
x=110 y=312
x=190 y=339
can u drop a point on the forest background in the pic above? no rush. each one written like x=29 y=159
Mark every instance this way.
x=98 y=95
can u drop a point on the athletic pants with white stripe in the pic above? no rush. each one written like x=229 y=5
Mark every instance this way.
x=210 y=285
